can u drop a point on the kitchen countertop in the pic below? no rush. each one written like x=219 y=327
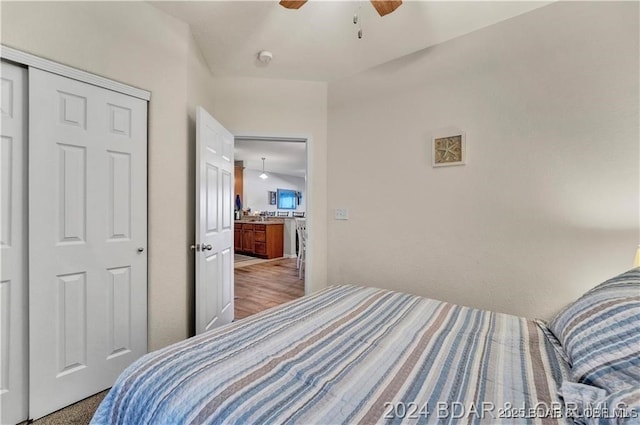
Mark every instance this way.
x=245 y=221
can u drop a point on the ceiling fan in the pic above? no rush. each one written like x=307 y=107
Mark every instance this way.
x=384 y=7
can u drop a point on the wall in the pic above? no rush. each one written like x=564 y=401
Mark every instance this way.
x=137 y=44
x=546 y=207
x=286 y=108
x=256 y=189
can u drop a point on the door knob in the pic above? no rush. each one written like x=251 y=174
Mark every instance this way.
x=201 y=247
x=140 y=250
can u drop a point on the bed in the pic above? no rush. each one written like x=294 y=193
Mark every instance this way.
x=364 y=355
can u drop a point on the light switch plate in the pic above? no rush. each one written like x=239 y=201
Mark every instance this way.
x=341 y=214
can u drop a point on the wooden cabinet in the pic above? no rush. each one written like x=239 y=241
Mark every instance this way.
x=247 y=238
x=237 y=237
x=261 y=240
x=238 y=175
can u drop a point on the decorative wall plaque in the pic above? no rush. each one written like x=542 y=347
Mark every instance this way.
x=449 y=150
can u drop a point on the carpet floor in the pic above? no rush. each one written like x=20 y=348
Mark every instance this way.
x=79 y=413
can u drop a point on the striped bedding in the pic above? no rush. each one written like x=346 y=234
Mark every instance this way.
x=600 y=337
x=349 y=355
x=600 y=333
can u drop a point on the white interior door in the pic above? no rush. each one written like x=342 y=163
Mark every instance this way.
x=13 y=241
x=87 y=238
x=214 y=223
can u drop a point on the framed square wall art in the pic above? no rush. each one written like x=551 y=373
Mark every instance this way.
x=449 y=150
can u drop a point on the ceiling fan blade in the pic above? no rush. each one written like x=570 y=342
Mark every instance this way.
x=384 y=7
x=292 y=4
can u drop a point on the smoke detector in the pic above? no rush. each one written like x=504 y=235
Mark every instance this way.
x=265 y=56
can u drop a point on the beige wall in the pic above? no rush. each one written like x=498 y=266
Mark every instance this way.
x=263 y=107
x=547 y=205
x=139 y=45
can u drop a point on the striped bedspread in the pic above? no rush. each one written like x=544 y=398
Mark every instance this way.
x=349 y=355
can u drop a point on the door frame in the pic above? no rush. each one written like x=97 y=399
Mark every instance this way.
x=308 y=140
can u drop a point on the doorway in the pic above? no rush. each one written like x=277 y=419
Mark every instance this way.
x=271 y=193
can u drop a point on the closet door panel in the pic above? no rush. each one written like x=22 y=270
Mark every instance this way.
x=88 y=259
x=13 y=244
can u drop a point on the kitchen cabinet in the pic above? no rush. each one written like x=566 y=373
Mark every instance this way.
x=238 y=176
x=247 y=238
x=237 y=237
x=264 y=240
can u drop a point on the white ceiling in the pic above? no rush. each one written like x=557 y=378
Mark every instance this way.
x=289 y=158
x=318 y=41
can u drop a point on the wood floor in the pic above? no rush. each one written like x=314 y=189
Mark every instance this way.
x=261 y=286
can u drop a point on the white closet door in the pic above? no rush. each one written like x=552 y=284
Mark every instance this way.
x=87 y=238
x=13 y=241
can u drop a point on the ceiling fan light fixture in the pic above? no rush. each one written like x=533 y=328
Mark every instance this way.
x=264 y=175
x=292 y=4
x=383 y=7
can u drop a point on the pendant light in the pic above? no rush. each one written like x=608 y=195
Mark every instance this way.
x=263 y=176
